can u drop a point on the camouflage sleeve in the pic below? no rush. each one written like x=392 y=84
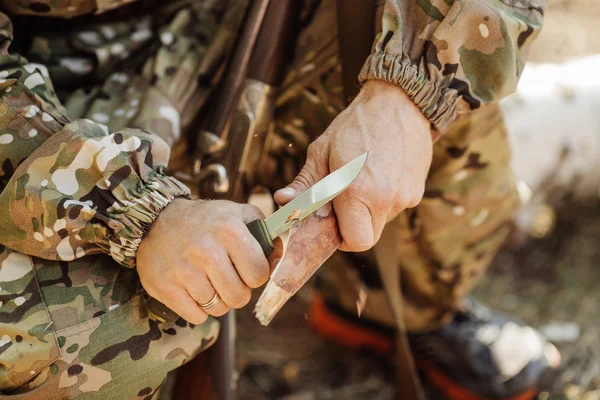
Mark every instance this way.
x=452 y=56
x=69 y=189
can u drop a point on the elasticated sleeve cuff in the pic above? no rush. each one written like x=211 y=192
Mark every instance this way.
x=452 y=57
x=439 y=106
x=136 y=215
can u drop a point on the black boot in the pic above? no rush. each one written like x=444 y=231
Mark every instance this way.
x=483 y=354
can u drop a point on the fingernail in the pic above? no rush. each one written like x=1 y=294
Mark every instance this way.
x=288 y=191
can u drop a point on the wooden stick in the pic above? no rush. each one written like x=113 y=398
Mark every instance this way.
x=311 y=242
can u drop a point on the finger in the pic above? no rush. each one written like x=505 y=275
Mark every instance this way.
x=355 y=224
x=250 y=213
x=285 y=195
x=226 y=281
x=179 y=300
x=219 y=309
x=202 y=291
x=276 y=256
x=248 y=257
x=315 y=169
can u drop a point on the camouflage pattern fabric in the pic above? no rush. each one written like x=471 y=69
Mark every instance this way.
x=87 y=120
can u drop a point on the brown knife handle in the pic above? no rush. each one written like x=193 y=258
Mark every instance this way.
x=259 y=230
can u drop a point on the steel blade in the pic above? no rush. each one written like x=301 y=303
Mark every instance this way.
x=316 y=196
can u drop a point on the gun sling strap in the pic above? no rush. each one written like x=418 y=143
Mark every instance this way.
x=356 y=32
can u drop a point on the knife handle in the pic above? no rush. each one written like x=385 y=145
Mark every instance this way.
x=259 y=230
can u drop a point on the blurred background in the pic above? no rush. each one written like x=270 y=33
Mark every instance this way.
x=549 y=272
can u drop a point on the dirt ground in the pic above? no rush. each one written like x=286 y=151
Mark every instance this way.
x=550 y=283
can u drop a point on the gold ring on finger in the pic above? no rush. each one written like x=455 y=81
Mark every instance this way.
x=211 y=303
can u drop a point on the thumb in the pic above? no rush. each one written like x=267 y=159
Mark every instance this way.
x=315 y=169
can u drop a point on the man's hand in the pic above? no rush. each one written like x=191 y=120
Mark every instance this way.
x=384 y=121
x=195 y=249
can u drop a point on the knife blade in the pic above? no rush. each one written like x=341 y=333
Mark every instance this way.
x=265 y=231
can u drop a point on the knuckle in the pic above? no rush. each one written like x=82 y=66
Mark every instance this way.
x=253 y=211
x=240 y=299
x=260 y=275
x=229 y=232
x=169 y=294
x=365 y=193
x=410 y=197
x=358 y=244
x=211 y=259
x=418 y=196
x=404 y=196
x=355 y=190
x=199 y=248
x=181 y=274
x=414 y=202
x=358 y=238
x=263 y=275
x=382 y=194
x=209 y=256
x=387 y=195
x=402 y=201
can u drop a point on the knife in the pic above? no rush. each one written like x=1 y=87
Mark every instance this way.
x=268 y=229
x=265 y=231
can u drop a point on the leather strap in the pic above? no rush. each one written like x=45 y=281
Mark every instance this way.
x=356 y=32
x=386 y=255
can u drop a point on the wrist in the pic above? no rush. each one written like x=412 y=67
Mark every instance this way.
x=391 y=98
x=387 y=91
x=164 y=222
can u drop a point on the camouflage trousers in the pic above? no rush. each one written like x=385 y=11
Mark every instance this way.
x=90 y=334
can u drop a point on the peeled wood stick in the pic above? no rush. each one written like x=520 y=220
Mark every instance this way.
x=311 y=242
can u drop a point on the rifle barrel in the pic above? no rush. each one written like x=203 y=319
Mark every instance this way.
x=274 y=46
x=227 y=92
